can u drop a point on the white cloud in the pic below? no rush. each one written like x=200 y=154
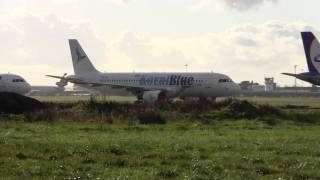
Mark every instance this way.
x=247 y=52
x=34 y=46
x=240 y=5
x=30 y=41
x=119 y=2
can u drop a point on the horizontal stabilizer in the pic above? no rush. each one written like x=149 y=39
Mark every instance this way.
x=57 y=77
x=290 y=74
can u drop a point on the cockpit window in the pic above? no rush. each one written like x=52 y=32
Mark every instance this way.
x=17 y=80
x=224 y=80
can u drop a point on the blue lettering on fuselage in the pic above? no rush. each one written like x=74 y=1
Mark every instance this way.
x=170 y=80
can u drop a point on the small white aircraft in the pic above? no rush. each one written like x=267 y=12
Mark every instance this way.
x=149 y=87
x=13 y=83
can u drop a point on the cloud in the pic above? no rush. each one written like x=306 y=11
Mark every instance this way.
x=119 y=2
x=37 y=46
x=247 y=52
x=31 y=41
x=240 y=5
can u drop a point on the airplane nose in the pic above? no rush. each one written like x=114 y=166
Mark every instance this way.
x=27 y=88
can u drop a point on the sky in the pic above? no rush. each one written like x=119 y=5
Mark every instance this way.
x=245 y=39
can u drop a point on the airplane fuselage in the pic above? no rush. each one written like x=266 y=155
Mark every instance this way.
x=187 y=84
x=13 y=83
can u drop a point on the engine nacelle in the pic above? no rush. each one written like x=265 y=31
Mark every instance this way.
x=151 y=97
x=62 y=83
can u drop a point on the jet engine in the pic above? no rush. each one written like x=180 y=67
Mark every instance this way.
x=151 y=97
x=63 y=82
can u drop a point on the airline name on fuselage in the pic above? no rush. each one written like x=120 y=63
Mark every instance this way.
x=171 y=80
x=164 y=80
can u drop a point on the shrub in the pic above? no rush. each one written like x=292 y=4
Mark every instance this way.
x=306 y=117
x=151 y=117
x=167 y=173
x=40 y=115
x=241 y=109
x=271 y=121
x=269 y=110
x=21 y=156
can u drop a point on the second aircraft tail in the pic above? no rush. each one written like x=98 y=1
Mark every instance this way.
x=312 y=51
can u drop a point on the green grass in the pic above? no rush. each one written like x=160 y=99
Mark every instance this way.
x=299 y=101
x=101 y=140
x=225 y=150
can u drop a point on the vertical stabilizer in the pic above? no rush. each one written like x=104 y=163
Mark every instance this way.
x=81 y=62
x=312 y=51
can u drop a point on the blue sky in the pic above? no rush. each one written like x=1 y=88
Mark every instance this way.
x=247 y=39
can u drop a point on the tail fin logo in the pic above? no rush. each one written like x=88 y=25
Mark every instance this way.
x=80 y=56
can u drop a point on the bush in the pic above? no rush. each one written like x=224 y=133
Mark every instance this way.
x=271 y=121
x=306 y=117
x=41 y=115
x=168 y=173
x=269 y=110
x=241 y=109
x=21 y=156
x=151 y=117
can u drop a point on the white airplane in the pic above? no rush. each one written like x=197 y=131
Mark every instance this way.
x=13 y=83
x=149 y=87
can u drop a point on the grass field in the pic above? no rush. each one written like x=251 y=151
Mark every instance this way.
x=312 y=102
x=226 y=150
x=188 y=149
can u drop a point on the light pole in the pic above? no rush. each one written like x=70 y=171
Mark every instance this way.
x=302 y=70
x=295 y=79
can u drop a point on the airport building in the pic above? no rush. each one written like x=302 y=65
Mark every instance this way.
x=271 y=89
x=250 y=86
x=270 y=85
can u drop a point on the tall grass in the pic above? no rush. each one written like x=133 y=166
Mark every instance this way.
x=116 y=112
